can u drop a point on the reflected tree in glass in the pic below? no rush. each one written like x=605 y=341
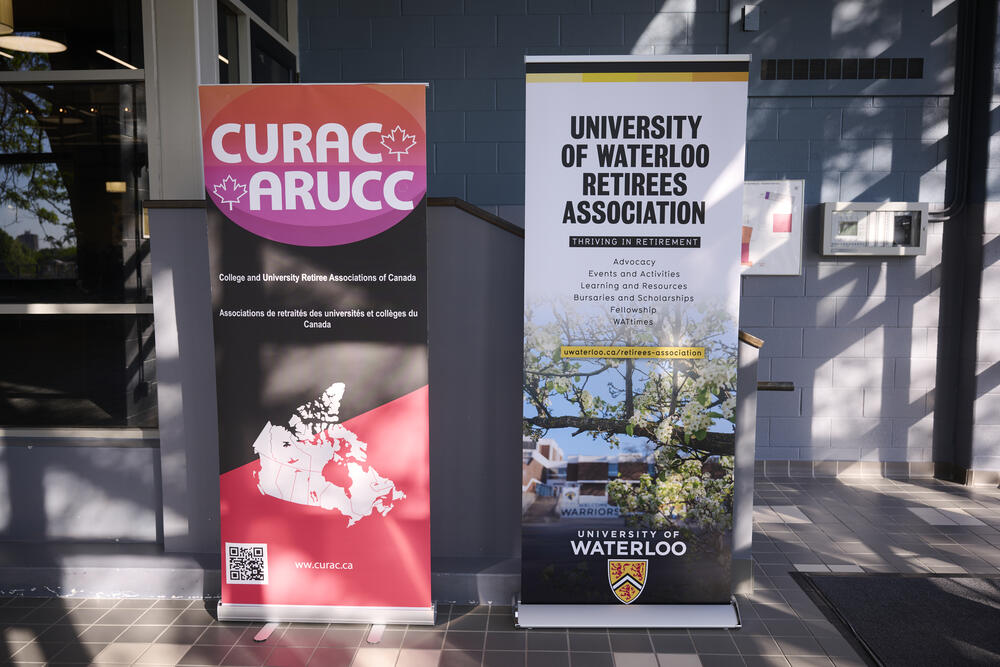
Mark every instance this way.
x=32 y=188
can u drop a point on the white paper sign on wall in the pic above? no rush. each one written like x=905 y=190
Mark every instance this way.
x=772 y=228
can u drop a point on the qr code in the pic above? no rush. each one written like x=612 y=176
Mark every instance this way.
x=246 y=563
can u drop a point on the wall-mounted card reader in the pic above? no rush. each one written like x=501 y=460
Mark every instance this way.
x=861 y=228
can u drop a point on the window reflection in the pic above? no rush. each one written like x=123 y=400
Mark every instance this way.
x=72 y=174
x=112 y=26
x=272 y=12
x=94 y=370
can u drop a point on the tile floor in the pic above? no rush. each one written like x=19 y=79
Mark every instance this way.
x=810 y=525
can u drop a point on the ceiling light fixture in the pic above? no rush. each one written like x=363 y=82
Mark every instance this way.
x=6 y=17
x=31 y=44
x=117 y=60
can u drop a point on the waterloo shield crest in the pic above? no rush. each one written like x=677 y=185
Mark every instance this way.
x=627 y=578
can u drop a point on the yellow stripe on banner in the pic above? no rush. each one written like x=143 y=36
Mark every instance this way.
x=634 y=77
x=554 y=78
x=631 y=77
x=721 y=76
x=630 y=352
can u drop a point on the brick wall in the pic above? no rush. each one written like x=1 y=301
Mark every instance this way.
x=858 y=337
x=472 y=54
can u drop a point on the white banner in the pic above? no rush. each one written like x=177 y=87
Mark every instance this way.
x=633 y=214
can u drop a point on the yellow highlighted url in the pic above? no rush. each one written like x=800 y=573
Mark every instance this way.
x=630 y=352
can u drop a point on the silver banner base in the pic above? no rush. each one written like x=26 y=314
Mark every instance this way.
x=290 y=613
x=621 y=616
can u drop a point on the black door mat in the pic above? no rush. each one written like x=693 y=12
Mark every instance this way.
x=913 y=620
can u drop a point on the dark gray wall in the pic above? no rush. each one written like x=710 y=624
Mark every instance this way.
x=96 y=493
x=475 y=283
x=859 y=337
x=189 y=442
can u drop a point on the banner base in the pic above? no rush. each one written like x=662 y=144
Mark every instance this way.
x=621 y=616
x=292 y=613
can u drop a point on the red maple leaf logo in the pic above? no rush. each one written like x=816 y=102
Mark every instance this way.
x=229 y=191
x=398 y=142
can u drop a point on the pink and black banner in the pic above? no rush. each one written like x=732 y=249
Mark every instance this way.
x=317 y=241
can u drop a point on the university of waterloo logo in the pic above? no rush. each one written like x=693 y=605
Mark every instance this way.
x=627 y=578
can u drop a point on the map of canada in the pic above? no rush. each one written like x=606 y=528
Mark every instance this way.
x=317 y=461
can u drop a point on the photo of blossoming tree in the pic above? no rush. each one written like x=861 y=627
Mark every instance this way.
x=679 y=412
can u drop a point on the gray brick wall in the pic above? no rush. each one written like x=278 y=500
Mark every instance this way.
x=471 y=52
x=857 y=336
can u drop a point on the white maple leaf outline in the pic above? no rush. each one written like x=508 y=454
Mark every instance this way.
x=228 y=191
x=400 y=150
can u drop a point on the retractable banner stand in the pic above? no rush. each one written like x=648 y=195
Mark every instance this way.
x=633 y=209
x=317 y=242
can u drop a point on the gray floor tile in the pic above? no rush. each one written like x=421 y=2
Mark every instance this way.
x=716 y=660
x=120 y=653
x=714 y=644
x=632 y=642
x=452 y=658
x=787 y=628
x=505 y=641
x=765 y=661
x=116 y=616
x=195 y=616
x=172 y=604
x=336 y=637
x=375 y=657
x=591 y=659
x=547 y=659
x=204 y=655
x=475 y=622
x=174 y=634
x=590 y=641
x=417 y=657
x=757 y=645
x=800 y=646
x=135 y=603
x=145 y=633
x=297 y=656
x=540 y=640
x=101 y=633
x=678 y=660
x=810 y=661
x=162 y=654
x=158 y=617
x=672 y=644
x=465 y=641
x=423 y=639
x=77 y=653
x=328 y=655
x=504 y=658
x=626 y=659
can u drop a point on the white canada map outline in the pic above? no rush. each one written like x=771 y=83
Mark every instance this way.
x=292 y=460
